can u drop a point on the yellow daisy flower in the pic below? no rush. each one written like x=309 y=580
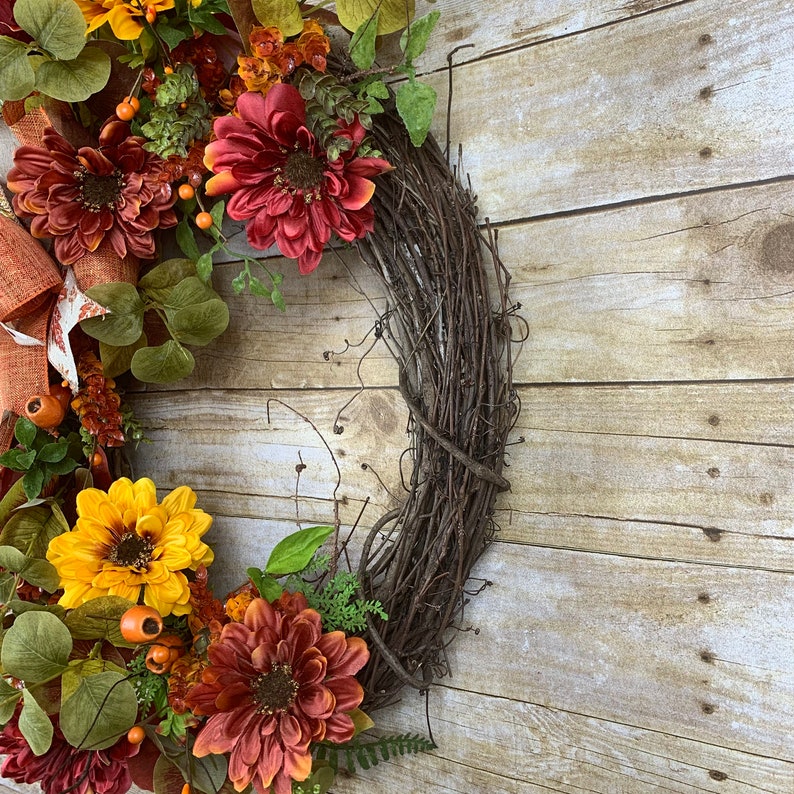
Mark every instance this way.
x=124 y=542
x=124 y=17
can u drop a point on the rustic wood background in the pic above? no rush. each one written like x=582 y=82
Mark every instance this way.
x=636 y=637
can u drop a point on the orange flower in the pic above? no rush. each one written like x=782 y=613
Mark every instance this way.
x=265 y=42
x=257 y=74
x=313 y=45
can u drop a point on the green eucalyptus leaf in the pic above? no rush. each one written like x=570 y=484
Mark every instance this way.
x=57 y=26
x=79 y=669
x=117 y=359
x=416 y=103
x=35 y=725
x=98 y=619
x=36 y=647
x=168 y=362
x=362 y=43
x=124 y=324
x=17 y=78
x=189 y=292
x=30 y=530
x=17 y=607
x=102 y=708
x=200 y=324
x=414 y=38
x=394 y=14
x=9 y=697
x=282 y=14
x=37 y=572
x=294 y=553
x=75 y=80
x=160 y=280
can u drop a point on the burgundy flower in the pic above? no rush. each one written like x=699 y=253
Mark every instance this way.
x=282 y=181
x=274 y=685
x=63 y=766
x=8 y=25
x=81 y=197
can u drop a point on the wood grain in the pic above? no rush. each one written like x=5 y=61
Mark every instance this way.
x=679 y=100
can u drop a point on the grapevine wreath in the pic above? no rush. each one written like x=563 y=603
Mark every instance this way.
x=138 y=121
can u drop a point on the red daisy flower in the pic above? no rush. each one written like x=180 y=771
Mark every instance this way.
x=274 y=685
x=63 y=767
x=81 y=197
x=283 y=182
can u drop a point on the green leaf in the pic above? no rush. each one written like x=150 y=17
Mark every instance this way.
x=414 y=38
x=33 y=482
x=186 y=240
x=415 y=103
x=168 y=362
x=18 y=459
x=57 y=26
x=258 y=288
x=204 y=266
x=53 y=452
x=124 y=324
x=160 y=280
x=116 y=360
x=25 y=431
x=378 y=89
x=394 y=14
x=171 y=36
x=37 y=572
x=293 y=553
x=75 y=80
x=36 y=647
x=14 y=498
x=278 y=299
x=79 y=669
x=31 y=530
x=98 y=619
x=282 y=14
x=102 y=709
x=217 y=210
x=9 y=696
x=35 y=725
x=200 y=324
x=267 y=586
x=362 y=44
x=190 y=292
x=61 y=467
x=17 y=78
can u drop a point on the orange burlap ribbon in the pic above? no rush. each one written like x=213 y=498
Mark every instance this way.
x=29 y=284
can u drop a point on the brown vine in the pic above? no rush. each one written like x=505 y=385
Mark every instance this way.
x=452 y=347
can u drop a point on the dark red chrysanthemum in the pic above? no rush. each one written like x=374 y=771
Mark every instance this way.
x=274 y=685
x=282 y=181
x=63 y=767
x=80 y=197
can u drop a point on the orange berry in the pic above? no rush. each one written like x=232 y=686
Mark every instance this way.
x=186 y=192
x=141 y=624
x=204 y=220
x=186 y=788
x=125 y=111
x=160 y=654
x=97 y=460
x=45 y=411
x=136 y=734
x=168 y=69
x=134 y=101
x=151 y=14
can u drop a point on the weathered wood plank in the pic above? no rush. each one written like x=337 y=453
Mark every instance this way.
x=688 y=650
x=690 y=97
x=506 y=745
x=686 y=289
x=494 y=29
x=590 y=475
x=693 y=288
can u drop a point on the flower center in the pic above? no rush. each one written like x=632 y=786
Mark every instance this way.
x=132 y=551
x=98 y=191
x=303 y=171
x=276 y=690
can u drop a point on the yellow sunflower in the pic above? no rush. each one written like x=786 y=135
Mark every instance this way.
x=125 y=543
x=124 y=17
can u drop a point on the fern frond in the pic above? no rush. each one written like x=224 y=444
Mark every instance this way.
x=370 y=752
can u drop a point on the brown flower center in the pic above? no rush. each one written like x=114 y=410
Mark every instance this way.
x=303 y=171
x=98 y=191
x=132 y=551
x=276 y=690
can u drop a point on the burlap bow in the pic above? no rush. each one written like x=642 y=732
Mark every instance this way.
x=30 y=284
